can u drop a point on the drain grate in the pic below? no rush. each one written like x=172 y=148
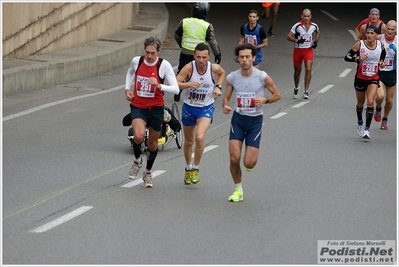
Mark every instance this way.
x=141 y=28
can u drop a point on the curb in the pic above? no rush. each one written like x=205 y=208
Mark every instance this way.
x=91 y=59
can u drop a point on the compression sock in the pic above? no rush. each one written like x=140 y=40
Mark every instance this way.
x=151 y=155
x=137 y=149
x=369 y=116
x=359 y=112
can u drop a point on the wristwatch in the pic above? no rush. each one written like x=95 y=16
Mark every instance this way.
x=219 y=86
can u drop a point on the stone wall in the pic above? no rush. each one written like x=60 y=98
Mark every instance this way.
x=36 y=28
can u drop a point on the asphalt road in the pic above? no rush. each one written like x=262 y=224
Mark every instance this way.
x=67 y=198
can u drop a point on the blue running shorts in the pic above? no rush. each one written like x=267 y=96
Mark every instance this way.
x=190 y=114
x=246 y=128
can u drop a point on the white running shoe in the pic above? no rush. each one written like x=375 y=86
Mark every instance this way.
x=360 y=129
x=366 y=133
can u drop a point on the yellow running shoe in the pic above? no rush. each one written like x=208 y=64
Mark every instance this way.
x=187 y=177
x=195 y=176
x=238 y=195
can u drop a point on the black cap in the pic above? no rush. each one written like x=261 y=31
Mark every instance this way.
x=372 y=28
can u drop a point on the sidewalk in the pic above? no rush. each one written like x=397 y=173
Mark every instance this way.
x=88 y=60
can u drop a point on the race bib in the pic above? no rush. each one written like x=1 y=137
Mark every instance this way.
x=144 y=89
x=251 y=39
x=388 y=61
x=245 y=102
x=198 y=97
x=369 y=68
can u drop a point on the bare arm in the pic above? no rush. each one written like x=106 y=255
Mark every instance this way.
x=361 y=32
x=317 y=37
x=264 y=43
x=226 y=100
x=184 y=75
x=219 y=71
x=291 y=37
x=269 y=84
x=241 y=40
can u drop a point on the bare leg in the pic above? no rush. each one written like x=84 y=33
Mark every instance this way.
x=235 y=147
x=297 y=75
x=389 y=100
x=202 y=128
x=308 y=74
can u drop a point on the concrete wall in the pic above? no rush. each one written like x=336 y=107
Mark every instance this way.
x=32 y=28
x=41 y=71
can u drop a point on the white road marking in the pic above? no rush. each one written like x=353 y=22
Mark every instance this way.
x=329 y=15
x=352 y=32
x=278 y=115
x=206 y=149
x=139 y=180
x=62 y=219
x=159 y=172
x=326 y=88
x=345 y=72
x=28 y=111
x=300 y=104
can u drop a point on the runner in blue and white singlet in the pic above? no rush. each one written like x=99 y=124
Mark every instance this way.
x=203 y=96
x=197 y=79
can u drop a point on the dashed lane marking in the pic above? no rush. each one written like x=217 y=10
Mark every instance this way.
x=300 y=104
x=326 y=88
x=345 y=72
x=139 y=180
x=62 y=219
x=278 y=115
x=206 y=149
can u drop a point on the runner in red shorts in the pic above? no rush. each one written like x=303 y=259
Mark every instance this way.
x=305 y=34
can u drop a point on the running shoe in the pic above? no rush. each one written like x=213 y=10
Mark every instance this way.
x=384 y=125
x=187 y=177
x=305 y=95
x=360 y=128
x=295 y=95
x=270 y=34
x=195 y=176
x=238 y=195
x=366 y=133
x=147 y=178
x=134 y=171
x=377 y=115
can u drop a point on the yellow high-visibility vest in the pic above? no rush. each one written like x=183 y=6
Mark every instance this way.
x=194 y=32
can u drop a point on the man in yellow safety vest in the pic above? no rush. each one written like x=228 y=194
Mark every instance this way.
x=192 y=31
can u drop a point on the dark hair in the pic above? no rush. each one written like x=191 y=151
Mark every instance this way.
x=152 y=41
x=202 y=47
x=244 y=47
x=254 y=11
